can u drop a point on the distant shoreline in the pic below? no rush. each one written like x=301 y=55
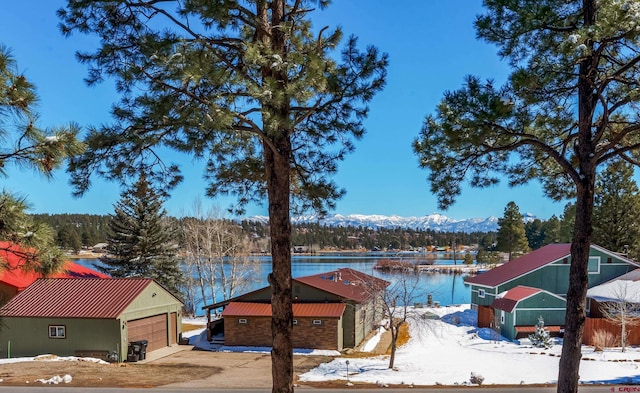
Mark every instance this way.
x=88 y=255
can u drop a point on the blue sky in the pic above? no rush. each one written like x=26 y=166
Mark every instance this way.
x=431 y=46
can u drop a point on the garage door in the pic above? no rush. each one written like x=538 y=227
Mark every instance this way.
x=153 y=329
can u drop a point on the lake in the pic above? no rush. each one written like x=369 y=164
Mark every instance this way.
x=444 y=288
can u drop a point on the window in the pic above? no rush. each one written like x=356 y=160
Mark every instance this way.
x=242 y=321
x=481 y=292
x=565 y=261
x=502 y=317
x=609 y=260
x=295 y=322
x=57 y=331
x=317 y=322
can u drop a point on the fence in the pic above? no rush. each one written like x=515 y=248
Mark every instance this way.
x=592 y=325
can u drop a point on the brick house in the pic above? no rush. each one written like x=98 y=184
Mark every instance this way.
x=333 y=310
x=315 y=325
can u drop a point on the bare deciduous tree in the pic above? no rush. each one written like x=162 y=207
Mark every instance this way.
x=217 y=256
x=397 y=301
x=623 y=309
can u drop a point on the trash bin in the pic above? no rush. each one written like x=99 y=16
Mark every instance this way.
x=132 y=353
x=137 y=350
x=143 y=349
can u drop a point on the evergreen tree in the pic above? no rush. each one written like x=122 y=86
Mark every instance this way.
x=617 y=209
x=141 y=242
x=534 y=231
x=567 y=109
x=551 y=230
x=541 y=337
x=511 y=233
x=251 y=87
x=24 y=144
x=567 y=222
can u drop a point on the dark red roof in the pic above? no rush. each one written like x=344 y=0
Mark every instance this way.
x=244 y=309
x=520 y=266
x=347 y=283
x=511 y=298
x=75 y=298
x=17 y=276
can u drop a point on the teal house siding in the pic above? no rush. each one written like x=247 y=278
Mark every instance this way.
x=547 y=269
x=523 y=306
x=482 y=296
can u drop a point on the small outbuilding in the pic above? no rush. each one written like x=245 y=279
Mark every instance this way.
x=90 y=317
x=519 y=309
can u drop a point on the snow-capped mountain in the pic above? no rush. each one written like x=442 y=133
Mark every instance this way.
x=436 y=222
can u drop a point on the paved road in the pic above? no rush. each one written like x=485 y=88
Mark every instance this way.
x=484 y=389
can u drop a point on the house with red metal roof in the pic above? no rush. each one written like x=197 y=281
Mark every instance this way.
x=545 y=269
x=14 y=277
x=90 y=317
x=332 y=310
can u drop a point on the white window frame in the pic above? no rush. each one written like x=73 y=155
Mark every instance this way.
x=57 y=331
x=501 y=317
x=481 y=293
x=316 y=322
x=295 y=322
x=242 y=321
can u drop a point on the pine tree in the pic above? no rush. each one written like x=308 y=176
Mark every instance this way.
x=24 y=144
x=617 y=209
x=541 y=337
x=251 y=86
x=141 y=242
x=568 y=108
x=511 y=232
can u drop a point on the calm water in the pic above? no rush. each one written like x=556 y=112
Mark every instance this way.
x=443 y=287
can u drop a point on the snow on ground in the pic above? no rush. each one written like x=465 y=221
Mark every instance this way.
x=440 y=352
x=448 y=350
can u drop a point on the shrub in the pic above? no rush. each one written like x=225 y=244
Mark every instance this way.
x=603 y=339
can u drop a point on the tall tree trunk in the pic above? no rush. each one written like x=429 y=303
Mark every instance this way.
x=278 y=180
x=568 y=372
x=278 y=155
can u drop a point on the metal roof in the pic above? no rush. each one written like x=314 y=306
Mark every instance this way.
x=246 y=309
x=523 y=265
x=510 y=299
x=15 y=275
x=75 y=298
x=347 y=283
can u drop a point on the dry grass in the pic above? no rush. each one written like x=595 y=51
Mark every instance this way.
x=191 y=326
x=403 y=336
x=603 y=339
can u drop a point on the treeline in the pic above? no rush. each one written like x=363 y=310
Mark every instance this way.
x=77 y=231
x=313 y=236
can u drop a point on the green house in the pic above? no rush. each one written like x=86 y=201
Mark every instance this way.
x=547 y=269
x=89 y=317
x=519 y=309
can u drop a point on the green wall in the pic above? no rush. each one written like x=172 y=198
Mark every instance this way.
x=30 y=336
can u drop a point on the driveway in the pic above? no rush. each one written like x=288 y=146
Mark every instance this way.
x=239 y=369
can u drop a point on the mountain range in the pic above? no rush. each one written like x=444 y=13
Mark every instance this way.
x=436 y=222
